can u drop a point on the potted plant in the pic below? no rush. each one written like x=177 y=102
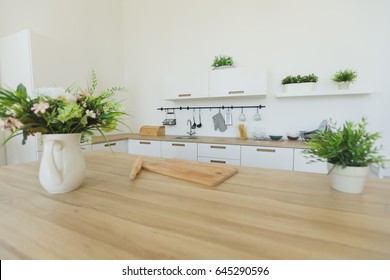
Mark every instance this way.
x=349 y=150
x=222 y=61
x=344 y=78
x=299 y=83
x=63 y=117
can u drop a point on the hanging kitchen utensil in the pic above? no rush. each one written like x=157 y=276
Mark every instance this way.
x=200 y=121
x=193 y=117
x=228 y=117
x=257 y=116
x=242 y=117
x=170 y=118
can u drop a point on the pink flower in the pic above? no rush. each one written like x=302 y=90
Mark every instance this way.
x=40 y=107
x=15 y=123
x=85 y=93
x=10 y=124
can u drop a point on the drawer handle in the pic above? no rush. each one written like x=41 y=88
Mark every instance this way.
x=109 y=144
x=218 y=147
x=184 y=94
x=145 y=143
x=266 y=150
x=178 y=145
x=217 y=161
x=236 y=92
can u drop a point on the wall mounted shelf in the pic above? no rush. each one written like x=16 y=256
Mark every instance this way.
x=336 y=92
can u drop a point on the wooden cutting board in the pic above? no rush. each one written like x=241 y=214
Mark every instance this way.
x=203 y=173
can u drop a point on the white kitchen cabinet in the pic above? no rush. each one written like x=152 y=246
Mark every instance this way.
x=37 y=61
x=186 y=85
x=301 y=163
x=267 y=157
x=219 y=153
x=179 y=150
x=239 y=82
x=145 y=147
x=114 y=146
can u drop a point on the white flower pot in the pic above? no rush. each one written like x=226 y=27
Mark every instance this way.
x=62 y=167
x=343 y=85
x=349 y=179
x=299 y=87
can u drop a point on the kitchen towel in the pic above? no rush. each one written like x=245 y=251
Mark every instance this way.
x=219 y=122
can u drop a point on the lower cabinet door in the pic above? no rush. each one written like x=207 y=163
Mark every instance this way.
x=179 y=150
x=145 y=148
x=267 y=157
x=116 y=146
x=301 y=163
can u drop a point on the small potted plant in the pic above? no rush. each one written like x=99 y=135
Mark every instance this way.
x=299 y=83
x=344 y=78
x=222 y=61
x=349 y=150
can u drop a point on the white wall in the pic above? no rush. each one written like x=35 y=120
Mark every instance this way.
x=94 y=26
x=290 y=37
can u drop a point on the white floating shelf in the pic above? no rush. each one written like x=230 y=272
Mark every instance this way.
x=336 y=92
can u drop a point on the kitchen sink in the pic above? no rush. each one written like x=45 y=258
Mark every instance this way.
x=186 y=137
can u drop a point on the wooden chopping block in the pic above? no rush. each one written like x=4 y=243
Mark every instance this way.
x=147 y=130
x=203 y=173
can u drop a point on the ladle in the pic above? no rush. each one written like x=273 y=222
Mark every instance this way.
x=194 y=123
x=200 y=121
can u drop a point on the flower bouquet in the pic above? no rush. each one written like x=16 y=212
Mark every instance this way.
x=59 y=111
x=64 y=117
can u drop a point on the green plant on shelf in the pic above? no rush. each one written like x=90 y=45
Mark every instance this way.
x=347 y=75
x=311 y=78
x=222 y=60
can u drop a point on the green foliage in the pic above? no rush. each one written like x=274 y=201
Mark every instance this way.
x=350 y=145
x=347 y=75
x=311 y=78
x=58 y=111
x=222 y=60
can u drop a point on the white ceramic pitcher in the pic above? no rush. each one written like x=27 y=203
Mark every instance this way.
x=62 y=166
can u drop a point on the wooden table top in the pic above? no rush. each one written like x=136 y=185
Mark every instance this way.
x=256 y=214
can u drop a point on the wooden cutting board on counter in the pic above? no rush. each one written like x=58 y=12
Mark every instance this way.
x=203 y=173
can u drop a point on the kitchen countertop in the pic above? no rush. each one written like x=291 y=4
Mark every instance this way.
x=204 y=139
x=256 y=214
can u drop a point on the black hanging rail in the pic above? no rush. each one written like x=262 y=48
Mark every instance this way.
x=208 y=107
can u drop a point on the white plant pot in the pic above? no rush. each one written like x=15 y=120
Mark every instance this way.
x=62 y=167
x=343 y=85
x=299 y=87
x=349 y=179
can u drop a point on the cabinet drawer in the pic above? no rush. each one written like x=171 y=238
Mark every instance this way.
x=267 y=157
x=220 y=160
x=219 y=151
x=145 y=148
x=179 y=150
x=301 y=163
x=117 y=146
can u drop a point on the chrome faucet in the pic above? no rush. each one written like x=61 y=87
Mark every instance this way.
x=191 y=132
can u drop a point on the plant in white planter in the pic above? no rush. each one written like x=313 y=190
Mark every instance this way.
x=300 y=83
x=349 y=151
x=344 y=78
x=221 y=61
